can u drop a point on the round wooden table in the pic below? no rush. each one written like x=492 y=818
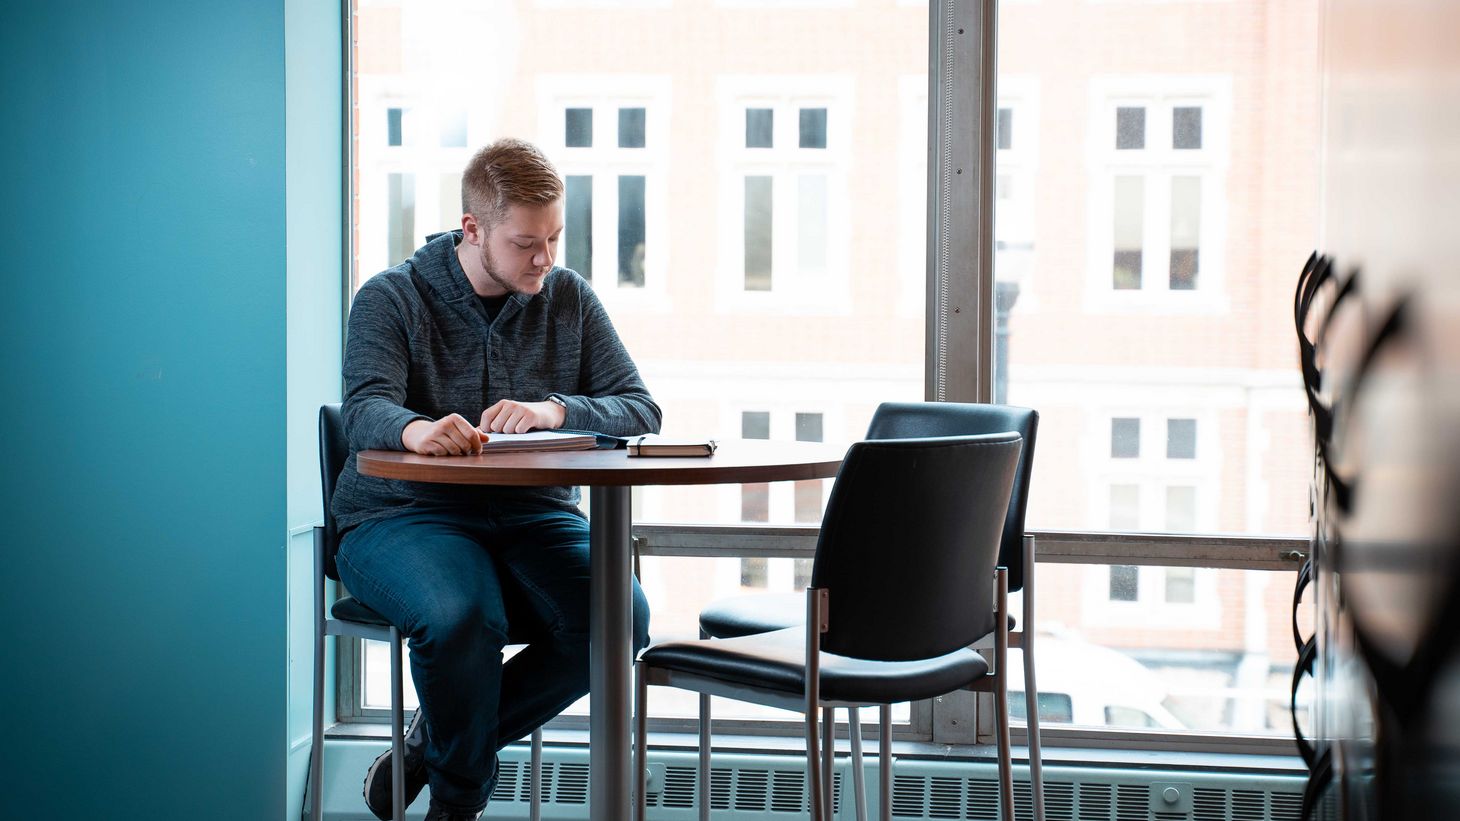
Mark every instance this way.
x=610 y=474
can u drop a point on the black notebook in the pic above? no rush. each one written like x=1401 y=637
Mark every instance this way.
x=652 y=444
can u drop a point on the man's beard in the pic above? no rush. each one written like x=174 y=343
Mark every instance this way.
x=490 y=266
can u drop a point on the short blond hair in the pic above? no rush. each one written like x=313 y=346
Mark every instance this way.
x=507 y=172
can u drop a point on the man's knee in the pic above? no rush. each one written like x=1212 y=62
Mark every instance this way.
x=453 y=623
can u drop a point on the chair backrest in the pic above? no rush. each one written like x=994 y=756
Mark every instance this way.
x=334 y=449
x=909 y=543
x=908 y=420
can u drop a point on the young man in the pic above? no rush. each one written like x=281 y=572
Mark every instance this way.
x=479 y=329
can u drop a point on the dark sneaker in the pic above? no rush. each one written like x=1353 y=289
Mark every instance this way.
x=377 y=778
x=437 y=813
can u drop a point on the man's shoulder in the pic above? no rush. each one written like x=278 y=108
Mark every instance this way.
x=396 y=285
x=428 y=267
x=566 y=289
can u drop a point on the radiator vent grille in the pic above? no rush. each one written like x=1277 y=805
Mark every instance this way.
x=1059 y=800
x=572 y=784
x=750 y=790
x=1209 y=805
x=745 y=789
x=679 y=788
x=1286 y=807
x=719 y=788
x=976 y=799
x=1023 y=801
x=788 y=791
x=1249 y=805
x=945 y=798
x=1132 y=802
x=983 y=799
x=514 y=782
x=908 y=798
x=1095 y=802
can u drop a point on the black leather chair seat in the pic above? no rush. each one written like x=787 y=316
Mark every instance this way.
x=352 y=609
x=777 y=661
x=735 y=616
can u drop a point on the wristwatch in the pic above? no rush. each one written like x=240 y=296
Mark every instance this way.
x=557 y=400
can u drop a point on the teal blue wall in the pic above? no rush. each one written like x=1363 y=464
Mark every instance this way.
x=150 y=447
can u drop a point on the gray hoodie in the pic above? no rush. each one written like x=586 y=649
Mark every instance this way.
x=419 y=346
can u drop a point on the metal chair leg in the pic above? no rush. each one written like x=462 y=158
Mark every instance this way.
x=704 y=757
x=884 y=763
x=828 y=759
x=1031 y=691
x=641 y=744
x=534 y=806
x=816 y=603
x=397 y=730
x=704 y=779
x=1001 y=698
x=859 y=778
x=813 y=768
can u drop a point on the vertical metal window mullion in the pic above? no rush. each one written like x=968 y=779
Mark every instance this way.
x=962 y=123
x=347 y=173
x=347 y=652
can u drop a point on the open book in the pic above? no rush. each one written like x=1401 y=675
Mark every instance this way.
x=652 y=444
x=537 y=440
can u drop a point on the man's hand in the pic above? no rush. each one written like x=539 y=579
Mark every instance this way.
x=448 y=436
x=511 y=416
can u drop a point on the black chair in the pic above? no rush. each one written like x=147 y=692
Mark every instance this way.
x=746 y=615
x=904 y=583
x=350 y=617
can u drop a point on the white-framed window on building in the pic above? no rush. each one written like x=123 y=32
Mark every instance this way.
x=806 y=499
x=609 y=136
x=1158 y=473
x=412 y=148
x=1159 y=153
x=1156 y=599
x=786 y=144
x=1158 y=477
x=801 y=502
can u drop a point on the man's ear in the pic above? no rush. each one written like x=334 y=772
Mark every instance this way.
x=471 y=230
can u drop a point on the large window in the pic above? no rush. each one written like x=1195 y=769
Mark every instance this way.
x=748 y=189
x=711 y=203
x=1143 y=300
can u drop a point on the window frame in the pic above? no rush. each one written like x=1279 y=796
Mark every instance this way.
x=958 y=303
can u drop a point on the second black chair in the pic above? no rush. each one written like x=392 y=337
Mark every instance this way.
x=751 y=614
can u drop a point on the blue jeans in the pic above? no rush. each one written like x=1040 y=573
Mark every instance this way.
x=457 y=583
